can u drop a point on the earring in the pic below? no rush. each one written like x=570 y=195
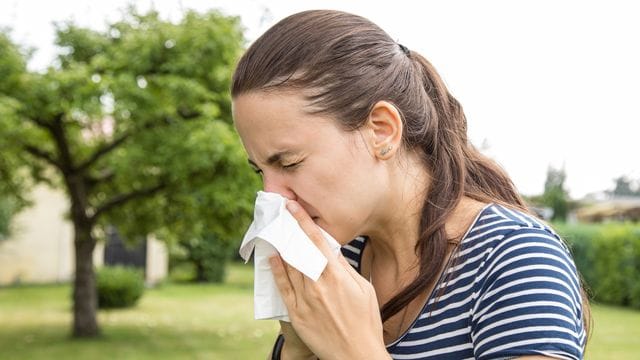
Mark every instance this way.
x=386 y=150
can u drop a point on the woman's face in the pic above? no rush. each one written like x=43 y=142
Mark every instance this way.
x=308 y=158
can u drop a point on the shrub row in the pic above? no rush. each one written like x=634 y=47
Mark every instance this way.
x=608 y=258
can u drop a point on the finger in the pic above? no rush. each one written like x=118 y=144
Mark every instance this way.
x=283 y=282
x=310 y=228
x=296 y=278
x=349 y=268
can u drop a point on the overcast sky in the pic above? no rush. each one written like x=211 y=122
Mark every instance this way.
x=542 y=82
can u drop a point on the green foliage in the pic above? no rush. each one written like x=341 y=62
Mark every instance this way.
x=555 y=195
x=209 y=255
x=118 y=286
x=13 y=180
x=608 y=257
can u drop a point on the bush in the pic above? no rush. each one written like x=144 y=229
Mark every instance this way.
x=119 y=286
x=608 y=257
x=207 y=255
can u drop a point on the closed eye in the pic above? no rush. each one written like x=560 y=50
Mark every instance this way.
x=291 y=166
x=255 y=168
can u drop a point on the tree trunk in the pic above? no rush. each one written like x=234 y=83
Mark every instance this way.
x=85 y=299
x=200 y=272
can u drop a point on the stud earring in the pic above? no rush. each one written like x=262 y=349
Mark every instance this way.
x=386 y=150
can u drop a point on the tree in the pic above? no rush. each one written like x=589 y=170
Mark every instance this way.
x=624 y=187
x=555 y=196
x=134 y=123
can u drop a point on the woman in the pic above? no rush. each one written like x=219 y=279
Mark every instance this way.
x=362 y=136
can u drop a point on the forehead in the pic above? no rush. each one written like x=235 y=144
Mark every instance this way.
x=278 y=121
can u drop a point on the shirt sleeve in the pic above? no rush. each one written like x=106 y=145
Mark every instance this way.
x=528 y=300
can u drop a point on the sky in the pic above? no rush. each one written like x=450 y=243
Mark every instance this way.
x=543 y=83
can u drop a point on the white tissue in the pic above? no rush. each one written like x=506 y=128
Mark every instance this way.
x=275 y=229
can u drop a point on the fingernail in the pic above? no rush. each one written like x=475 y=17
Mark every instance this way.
x=292 y=206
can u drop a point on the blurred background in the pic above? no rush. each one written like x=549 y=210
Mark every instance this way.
x=119 y=162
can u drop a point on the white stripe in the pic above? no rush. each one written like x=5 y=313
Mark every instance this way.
x=522 y=306
x=351 y=248
x=521 y=318
x=486 y=233
x=489 y=216
x=533 y=219
x=507 y=241
x=450 y=306
x=439 y=323
x=515 y=215
x=553 y=268
x=474 y=271
x=352 y=262
x=479 y=245
x=524 y=330
x=562 y=260
x=436 y=338
x=535 y=341
x=530 y=291
x=469 y=260
x=456 y=291
x=425 y=354
x=490 y=224
x=556 y=355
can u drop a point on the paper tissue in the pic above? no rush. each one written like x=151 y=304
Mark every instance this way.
x=275 y=229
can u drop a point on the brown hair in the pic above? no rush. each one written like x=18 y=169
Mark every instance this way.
x=349 y=64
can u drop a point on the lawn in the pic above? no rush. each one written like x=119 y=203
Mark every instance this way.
x=174 y=321
x=187 y=321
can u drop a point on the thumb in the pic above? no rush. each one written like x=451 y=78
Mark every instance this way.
x=310 y=228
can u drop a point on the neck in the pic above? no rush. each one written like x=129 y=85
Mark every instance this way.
x=395 y=233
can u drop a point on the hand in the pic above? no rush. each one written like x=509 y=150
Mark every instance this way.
x=338 y=315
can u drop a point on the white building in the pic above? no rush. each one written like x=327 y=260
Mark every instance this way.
x=40 y=249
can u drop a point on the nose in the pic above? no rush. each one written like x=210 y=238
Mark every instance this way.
x=277 y=184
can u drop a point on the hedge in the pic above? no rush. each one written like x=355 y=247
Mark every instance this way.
x=608 y=258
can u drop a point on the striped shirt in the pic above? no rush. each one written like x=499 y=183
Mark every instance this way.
x=511 y=290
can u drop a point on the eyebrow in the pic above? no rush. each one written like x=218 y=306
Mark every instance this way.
x=273 y=158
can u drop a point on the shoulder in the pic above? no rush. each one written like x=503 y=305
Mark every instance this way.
x=527 y=293
x=516 y=247
x=501 y=232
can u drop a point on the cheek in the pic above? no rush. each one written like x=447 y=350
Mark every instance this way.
x=343 y=199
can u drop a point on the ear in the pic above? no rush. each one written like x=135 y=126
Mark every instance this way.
x=384 y=130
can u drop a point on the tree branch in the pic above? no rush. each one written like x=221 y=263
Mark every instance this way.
x=104 y=150
x=41 y=123
x=105 y=175
x=121 y=199
x=62 y=143
x=43 y=155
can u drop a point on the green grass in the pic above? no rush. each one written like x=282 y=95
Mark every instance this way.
x=615 y=333
x=188 y=321
x=174 y=321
